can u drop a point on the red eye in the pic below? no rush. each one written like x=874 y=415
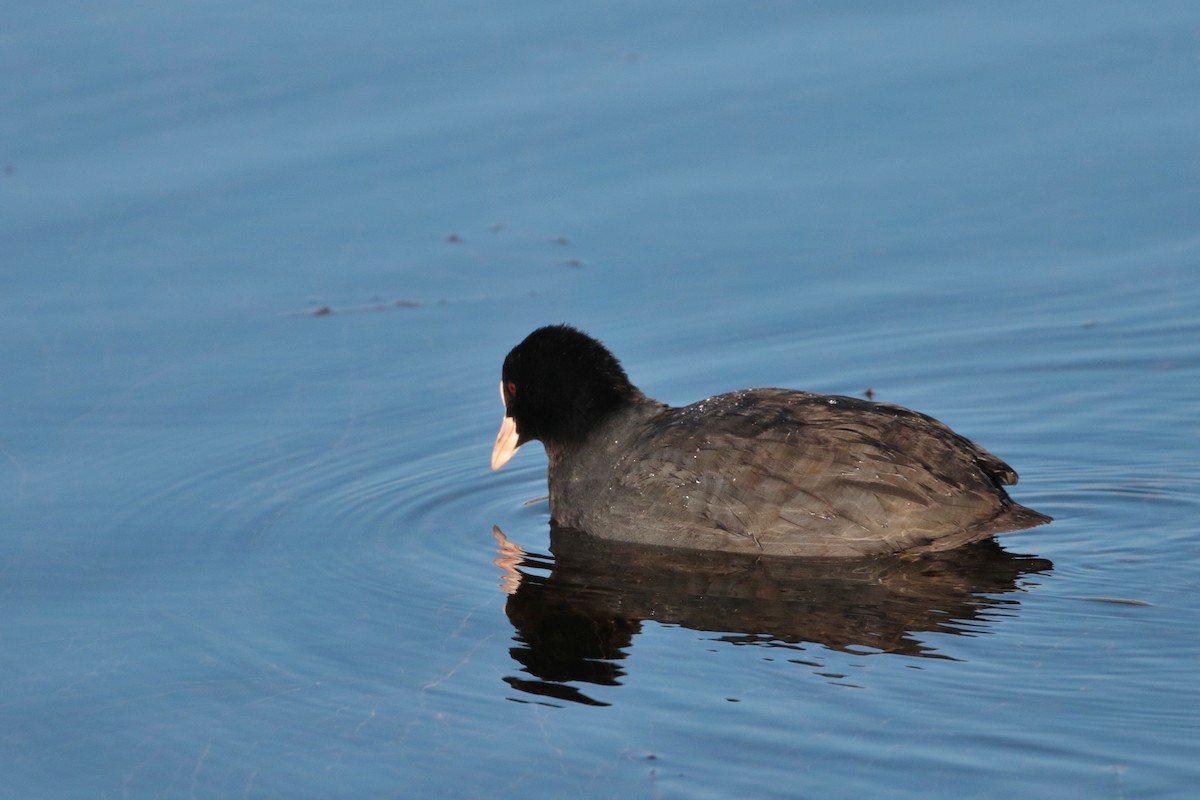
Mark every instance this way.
x=512 y=389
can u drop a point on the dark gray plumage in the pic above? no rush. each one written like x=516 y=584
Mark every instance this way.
x=771 y=471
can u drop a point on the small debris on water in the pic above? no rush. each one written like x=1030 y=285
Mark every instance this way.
x=376 y=304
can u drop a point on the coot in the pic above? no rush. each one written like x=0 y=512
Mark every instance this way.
x=770 y=471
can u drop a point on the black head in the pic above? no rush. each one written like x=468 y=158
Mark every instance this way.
x=560 y=383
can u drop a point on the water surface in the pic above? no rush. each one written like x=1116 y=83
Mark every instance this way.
x=261 y=266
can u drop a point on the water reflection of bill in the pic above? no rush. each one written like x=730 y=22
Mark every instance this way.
x=576 y=613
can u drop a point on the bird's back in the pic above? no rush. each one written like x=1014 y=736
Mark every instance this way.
x=783 y=472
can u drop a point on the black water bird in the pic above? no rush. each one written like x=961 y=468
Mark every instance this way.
x=767 y=471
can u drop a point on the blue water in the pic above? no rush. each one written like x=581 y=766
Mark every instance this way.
x=261 y=263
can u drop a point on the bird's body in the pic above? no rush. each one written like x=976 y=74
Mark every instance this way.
x=770 y=471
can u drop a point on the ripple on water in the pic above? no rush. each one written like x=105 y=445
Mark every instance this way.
x=323 y=547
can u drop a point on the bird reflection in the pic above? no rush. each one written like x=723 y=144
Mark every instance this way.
x=576 y=613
